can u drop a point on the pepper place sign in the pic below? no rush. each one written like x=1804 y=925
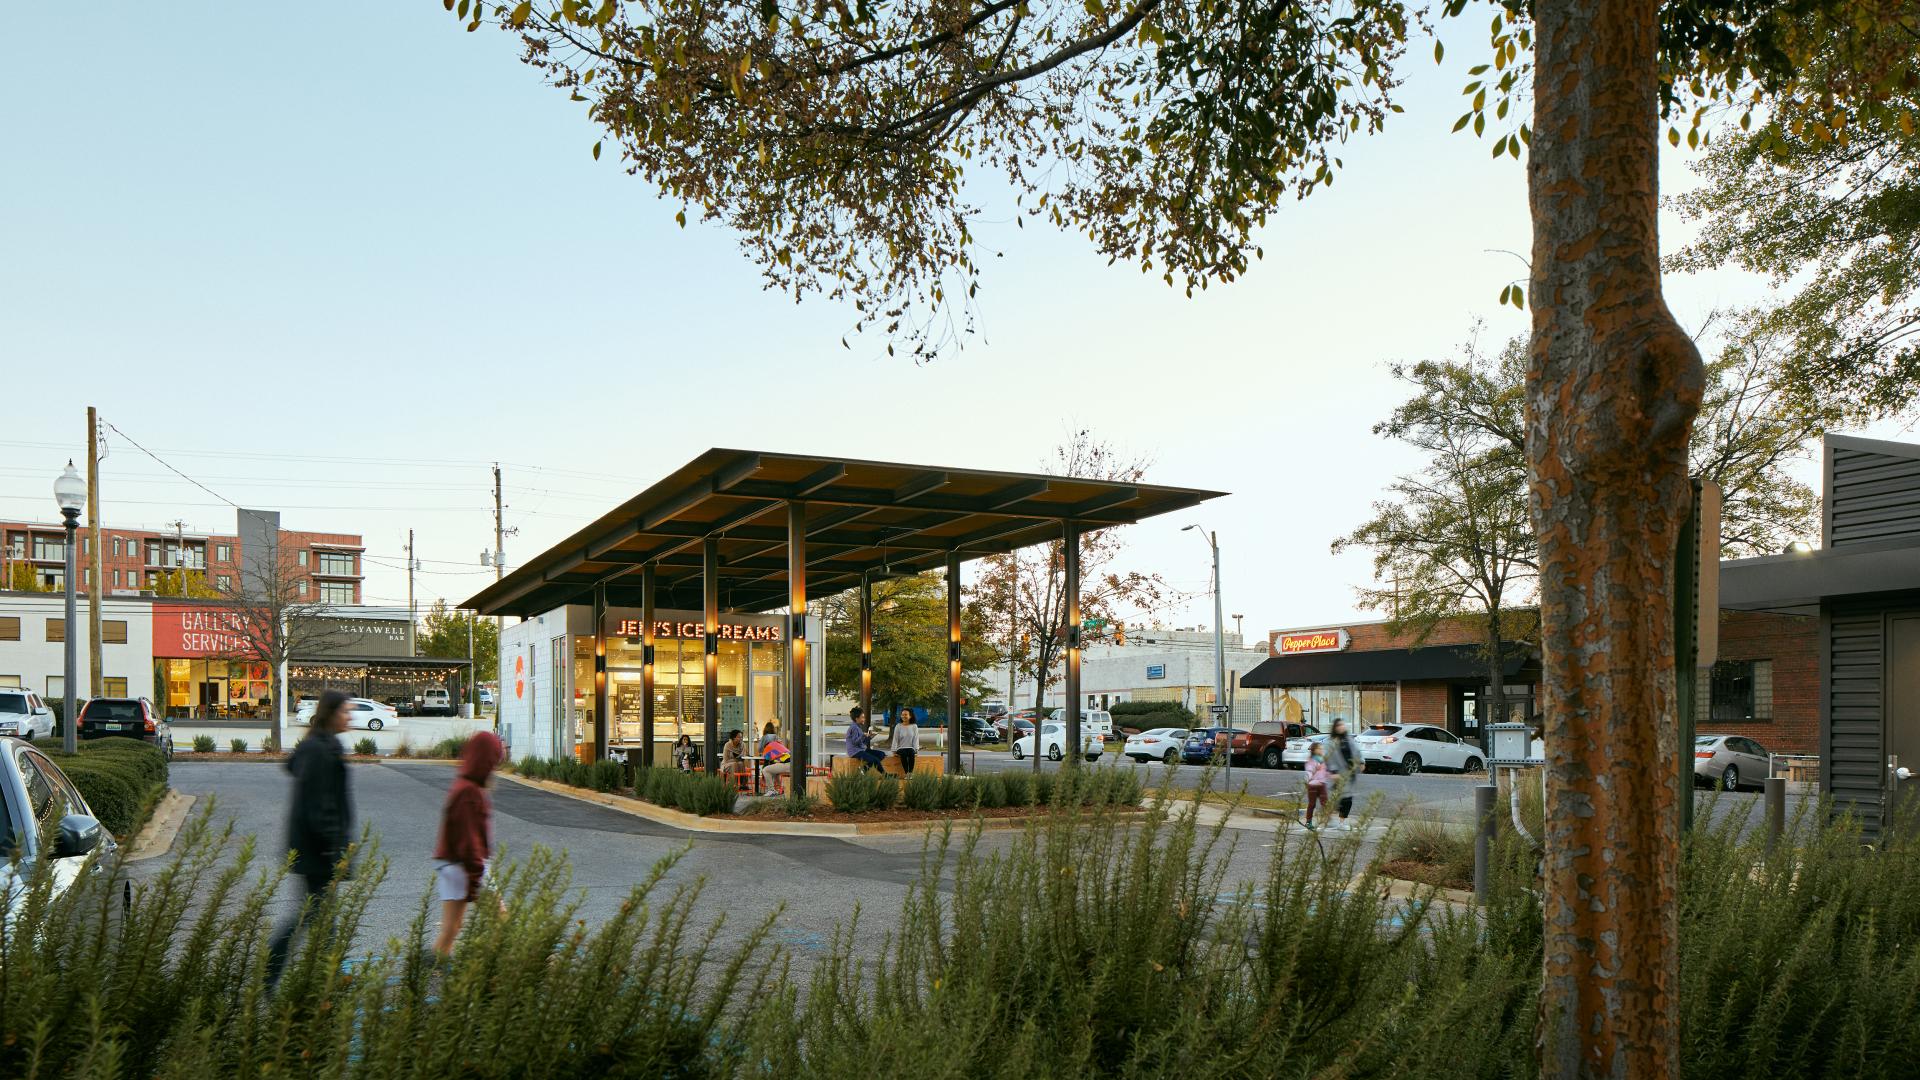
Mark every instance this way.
x=1312 y=641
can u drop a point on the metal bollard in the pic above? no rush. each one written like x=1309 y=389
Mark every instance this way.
x=1776 y=799
x=1484 y=825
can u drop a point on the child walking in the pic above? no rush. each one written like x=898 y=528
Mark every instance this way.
x=466 y=837
x=1319 y=780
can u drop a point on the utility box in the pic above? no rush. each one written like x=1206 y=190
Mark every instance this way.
x=1512 y=746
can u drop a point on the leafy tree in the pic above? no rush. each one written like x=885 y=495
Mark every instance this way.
x=1824 y=200
x=443 y=633
x=183 y=582
x=1454 y=540
x=838 y=139
x=909 y=644
x=22 y=577
x=1022 y=595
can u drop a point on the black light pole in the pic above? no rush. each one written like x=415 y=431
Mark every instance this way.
x=70 y=491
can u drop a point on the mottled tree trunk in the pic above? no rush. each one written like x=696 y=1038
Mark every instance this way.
x=1612 y=389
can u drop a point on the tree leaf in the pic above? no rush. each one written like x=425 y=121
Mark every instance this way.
x=596 y=151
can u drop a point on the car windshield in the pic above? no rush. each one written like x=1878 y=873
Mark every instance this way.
x=103 y=709
x=13 y=703
x=1705 y=740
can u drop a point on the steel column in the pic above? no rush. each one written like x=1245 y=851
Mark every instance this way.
x=710 y=707
x=647 y=584
x=1070 y=535
x=953 y=663
x=799 y=699
x=866 y=644
x=600 y=671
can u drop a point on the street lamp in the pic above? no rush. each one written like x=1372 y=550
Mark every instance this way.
x=70 y=491
x=1219 y=643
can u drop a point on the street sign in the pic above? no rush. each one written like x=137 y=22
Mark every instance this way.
x=1092 y=624
x=1219 y=710
x=1156 y=671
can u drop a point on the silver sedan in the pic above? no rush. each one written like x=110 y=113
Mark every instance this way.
x=1730 y=761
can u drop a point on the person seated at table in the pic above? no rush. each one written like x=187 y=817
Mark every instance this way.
x=686 y=756
x=769 y=735
x=733 y=755
x=859 y=747
x=779 y=765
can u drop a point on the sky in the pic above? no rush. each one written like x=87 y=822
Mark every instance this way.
x=339 y=261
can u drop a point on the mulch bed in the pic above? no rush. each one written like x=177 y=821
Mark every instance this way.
x=1424 y=873
x=837 y=816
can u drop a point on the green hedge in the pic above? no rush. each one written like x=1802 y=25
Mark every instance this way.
x=1151 y=714
x=118 y=777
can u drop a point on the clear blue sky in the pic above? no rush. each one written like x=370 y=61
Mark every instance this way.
x=259 y=234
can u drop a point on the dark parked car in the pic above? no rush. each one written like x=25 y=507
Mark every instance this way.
x=975 y=728
x=130 y=718
x=1202 y=743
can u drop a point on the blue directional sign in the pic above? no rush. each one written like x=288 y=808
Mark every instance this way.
x=1156 y=671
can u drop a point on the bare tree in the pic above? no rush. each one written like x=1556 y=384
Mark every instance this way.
x=275 y=619
x=1024 y=592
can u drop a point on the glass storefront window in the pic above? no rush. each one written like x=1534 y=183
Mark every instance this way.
x=1332 y=703
x=1376 y=707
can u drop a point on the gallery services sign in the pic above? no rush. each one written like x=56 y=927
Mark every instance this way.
x=1311 y=641
x=181 y=631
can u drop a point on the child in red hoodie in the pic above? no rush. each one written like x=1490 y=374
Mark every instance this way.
x=466 y=836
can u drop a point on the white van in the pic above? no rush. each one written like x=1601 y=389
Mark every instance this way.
x=436 y=703
x=1096 y=722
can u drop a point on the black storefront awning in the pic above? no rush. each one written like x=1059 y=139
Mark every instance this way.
x=1381 y=666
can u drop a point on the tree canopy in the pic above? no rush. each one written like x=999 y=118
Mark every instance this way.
x=909 y=644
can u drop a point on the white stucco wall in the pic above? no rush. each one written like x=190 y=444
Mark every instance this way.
x=32 y=660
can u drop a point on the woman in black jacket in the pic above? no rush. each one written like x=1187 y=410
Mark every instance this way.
x=320 y=821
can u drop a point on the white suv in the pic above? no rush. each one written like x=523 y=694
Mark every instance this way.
x=23 y=715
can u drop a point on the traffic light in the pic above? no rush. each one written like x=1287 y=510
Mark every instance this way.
x=1119 y=634
x=1026 y=642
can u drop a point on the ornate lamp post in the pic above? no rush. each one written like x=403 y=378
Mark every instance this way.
x=70 y=491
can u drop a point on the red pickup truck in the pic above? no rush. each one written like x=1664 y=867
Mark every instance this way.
x=1266 y=741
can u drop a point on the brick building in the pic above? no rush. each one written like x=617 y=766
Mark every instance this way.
x=1765 y=685
x=326 y=567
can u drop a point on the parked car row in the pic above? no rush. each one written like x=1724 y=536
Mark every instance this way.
x=23 y=715
x=362 y=713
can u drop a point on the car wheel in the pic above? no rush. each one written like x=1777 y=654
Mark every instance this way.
x=1053 y=753
x=374 y=724
x=1172 y=758
x=1410 y=764
x=1272 y=758
x=1093 y=757
x=1731 y=778
x=1474 y=764
x=1017 y=755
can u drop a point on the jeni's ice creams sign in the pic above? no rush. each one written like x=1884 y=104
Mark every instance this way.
x=1311 y=641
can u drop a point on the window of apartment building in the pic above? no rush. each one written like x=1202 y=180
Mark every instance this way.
x=336 y=562
x=116 y=545
x=56 y=629
x=224 y=582
x=9 y=628
x=18 y=542
x=223 y=553
x=1740 y=691
x=53 y=579
x=336 y=592
x=113 y=687
x=303 y=558
x=86 y=544
x=152 y=578
x=113 y=631
x=153 y=553
x=116 y=579
x=49 y=547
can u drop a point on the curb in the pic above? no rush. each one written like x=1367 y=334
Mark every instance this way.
x=750 y=826
x=157 y=838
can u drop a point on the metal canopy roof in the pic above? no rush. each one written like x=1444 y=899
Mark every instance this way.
x=884 y=518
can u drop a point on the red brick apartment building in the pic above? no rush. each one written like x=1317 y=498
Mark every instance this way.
x=328 y=565
x=1765 y=685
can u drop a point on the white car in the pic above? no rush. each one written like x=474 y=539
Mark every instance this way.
x=1162 y=743
x=42 y=817
x=1054 y=739
x=1409 y=748
x=361 y=712
x=1297 y=750
x=23 y=715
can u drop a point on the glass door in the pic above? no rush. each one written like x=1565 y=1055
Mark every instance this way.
x=763 y=706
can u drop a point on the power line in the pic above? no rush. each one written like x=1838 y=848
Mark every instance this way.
x=169 y=466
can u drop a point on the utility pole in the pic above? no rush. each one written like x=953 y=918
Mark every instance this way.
x=179 y=555
x=411 y=614
x=96 y=577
